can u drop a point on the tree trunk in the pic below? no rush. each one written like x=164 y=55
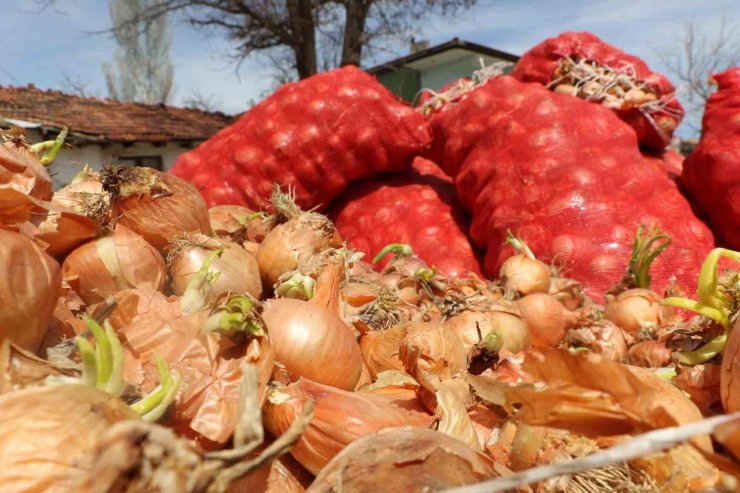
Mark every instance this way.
x=300 y=13
x=354 y=30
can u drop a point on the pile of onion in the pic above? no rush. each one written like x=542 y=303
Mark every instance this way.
x=121 y=260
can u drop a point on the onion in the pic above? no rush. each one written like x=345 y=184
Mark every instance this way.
x=30 y=283
x=637 y=309
x=21 y=170
x=603 y=337
x=48 y=435
x=525 y=275
x=650 y=354
x=22 y=369
x=380 y=349
x=432 y=353
x=567 y=291
x=85 y=195
x=404 y=459
x=472 y=326
x=110 y=264
x=730 y=379
x=239 y=223
x=238 y=268
x=156 y=205
x=340 y=417
x=313 y=342
x=287 y=247
x=547 y=319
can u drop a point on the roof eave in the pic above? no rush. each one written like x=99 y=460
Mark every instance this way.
x=434 y=50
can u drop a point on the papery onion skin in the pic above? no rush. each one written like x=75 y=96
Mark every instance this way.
x=404 y=459
x=635 y=309
x=567 y=291
x=525 y=275
x=63 y=229
x=340 y=417
x=155 y=214
x=123 y=260
x=22 y=171
x=239 y=270
x=30 y=284
x=226 y=220
x=504 y=319
x=546 y=318
x=85 y=195
x=312 y=342
x=380 y=349
x=650 y=354
x=602 y=337
x=48 y=435
x=290 y=243
x=730 y=378
x=432 y=353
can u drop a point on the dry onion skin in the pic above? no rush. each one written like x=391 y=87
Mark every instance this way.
x=340 y=417
x=30 y=284
x=602 y=337
x=239 y=272
x=432 y=353
x=122 y=260
x=730 y=376
x=313 y=342
x=239 y=223
x=62 y=229
x=85 y=195
x=289 y=244
x=156 y=205
x=21 y=170
x=380 y=349
x=650 y=354
x=404 y=459
x=48 y=435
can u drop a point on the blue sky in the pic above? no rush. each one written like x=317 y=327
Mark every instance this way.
x=40 y=48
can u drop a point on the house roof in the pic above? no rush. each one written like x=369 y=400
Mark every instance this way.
x=453 y=44
x=105 y=120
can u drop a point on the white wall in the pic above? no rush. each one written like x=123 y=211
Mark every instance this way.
x=70 y=161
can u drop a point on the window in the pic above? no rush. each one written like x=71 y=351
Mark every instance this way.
x=148 y=161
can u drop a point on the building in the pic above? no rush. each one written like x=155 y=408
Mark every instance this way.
x=103 y=131
x=432 y=68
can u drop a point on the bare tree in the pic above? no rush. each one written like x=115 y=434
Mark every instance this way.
x=697 y=54
x=202 y=102
x=141 y=70
x=308 y=35
x=76 y=86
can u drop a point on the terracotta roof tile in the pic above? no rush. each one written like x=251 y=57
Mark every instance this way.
x=107 y=119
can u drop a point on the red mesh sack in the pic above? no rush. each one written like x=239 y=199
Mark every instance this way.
x=609 y=76
x=316 y=135
x=417 y=208
x=669 y=161
x=568 y=177
x=711 y=173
